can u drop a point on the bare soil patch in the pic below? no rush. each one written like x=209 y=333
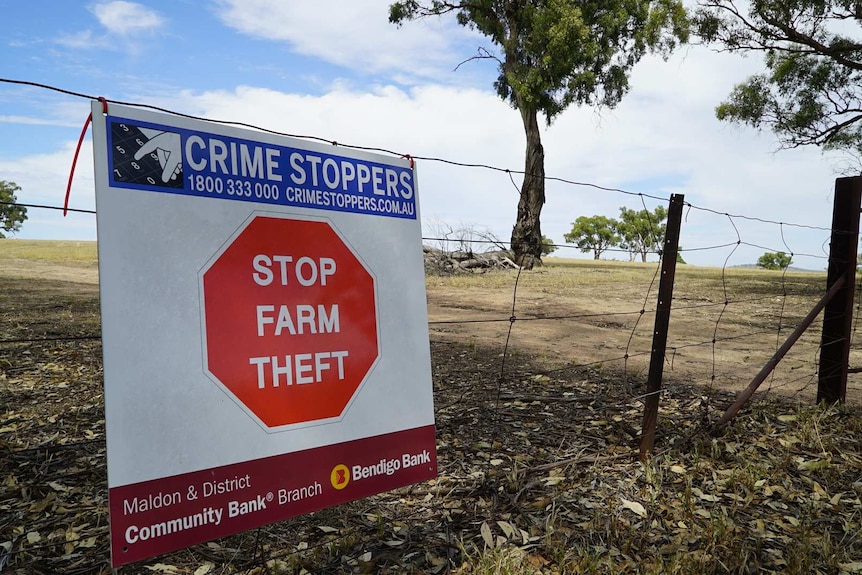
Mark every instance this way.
x=580 y=312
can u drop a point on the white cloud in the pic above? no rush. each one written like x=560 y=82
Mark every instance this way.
x=34 y=121
x=123 y=18
x=663 y=138
x=82 y=39
x=122 y=21
x=353 y=33
x=43 y=178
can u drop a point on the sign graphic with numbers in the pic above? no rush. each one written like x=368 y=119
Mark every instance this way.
x=136 y=157
x=264 y=328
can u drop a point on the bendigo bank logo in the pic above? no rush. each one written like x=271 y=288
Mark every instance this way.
x=340 y=476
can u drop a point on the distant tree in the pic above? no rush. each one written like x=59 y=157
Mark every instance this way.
x=548 y=246
x=551 y=54
x=679 y=259
x=11 y=215
x=811 y=90
x=774 y=261
x=642 y=231
x=595 y=234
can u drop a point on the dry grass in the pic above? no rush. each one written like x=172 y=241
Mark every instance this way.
x=747 y=312
x=70 y=253
x=559 y=275
x=537 y=467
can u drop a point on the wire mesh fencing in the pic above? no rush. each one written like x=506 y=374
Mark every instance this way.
x=539 y=384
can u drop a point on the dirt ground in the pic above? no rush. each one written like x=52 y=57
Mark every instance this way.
x=594 y=318
x=537 y=456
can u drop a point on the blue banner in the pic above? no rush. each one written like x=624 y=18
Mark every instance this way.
x=167 y=159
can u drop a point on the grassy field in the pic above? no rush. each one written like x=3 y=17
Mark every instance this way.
x=537 y=447
x=70 y=253
x=725 y=324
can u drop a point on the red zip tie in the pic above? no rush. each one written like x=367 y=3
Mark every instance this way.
x=409 y=157
x=78 y=151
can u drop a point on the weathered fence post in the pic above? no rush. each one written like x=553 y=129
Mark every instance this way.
x=662 y=319
x=838 y=315
x=779 y=354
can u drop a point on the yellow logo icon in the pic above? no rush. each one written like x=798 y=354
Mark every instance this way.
x=340 y=476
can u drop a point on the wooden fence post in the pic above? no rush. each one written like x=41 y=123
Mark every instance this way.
x=662 y=319
x=838 y=315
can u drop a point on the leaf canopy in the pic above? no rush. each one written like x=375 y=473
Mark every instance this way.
x=12 y=215
x=554 y=53
x=774 y=261
x=594 y=233
x=811 y=90
x=642 y=231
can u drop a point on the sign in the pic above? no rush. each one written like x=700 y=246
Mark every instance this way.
x=290 y=320
x=264 y=328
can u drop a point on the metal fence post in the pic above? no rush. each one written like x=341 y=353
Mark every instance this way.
x=838 y=314
x=662 y=319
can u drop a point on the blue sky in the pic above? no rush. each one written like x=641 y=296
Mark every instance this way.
x=337 y=69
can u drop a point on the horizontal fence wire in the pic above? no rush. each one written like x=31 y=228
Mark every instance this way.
x=640 y=195
x=483 y=374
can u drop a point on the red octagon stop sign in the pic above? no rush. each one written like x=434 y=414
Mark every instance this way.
x=290 y=320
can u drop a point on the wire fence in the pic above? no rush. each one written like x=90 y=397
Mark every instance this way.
x=536 y=374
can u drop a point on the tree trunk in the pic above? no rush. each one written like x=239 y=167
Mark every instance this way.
x=527 y=233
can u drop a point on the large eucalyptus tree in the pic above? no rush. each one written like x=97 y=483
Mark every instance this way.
x=551 y=54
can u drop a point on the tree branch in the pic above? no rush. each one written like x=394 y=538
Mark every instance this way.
x=836 y=54
x=832 y=131
x=482 y=54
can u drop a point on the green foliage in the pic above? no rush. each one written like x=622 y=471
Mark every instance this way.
x=552 y=53
x=593 y=234
x=811 y=92
x=548 y=246
x=11 y=216
x=774 y=261
x=642 y=231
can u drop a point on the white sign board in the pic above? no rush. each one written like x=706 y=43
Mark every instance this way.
x=264 y=328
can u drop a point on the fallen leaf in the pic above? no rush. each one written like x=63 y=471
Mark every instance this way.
x=634 y=506
x=162 y=568
x=487 y=536
x=553 y=480
x=508 y=529
x=88 y=542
